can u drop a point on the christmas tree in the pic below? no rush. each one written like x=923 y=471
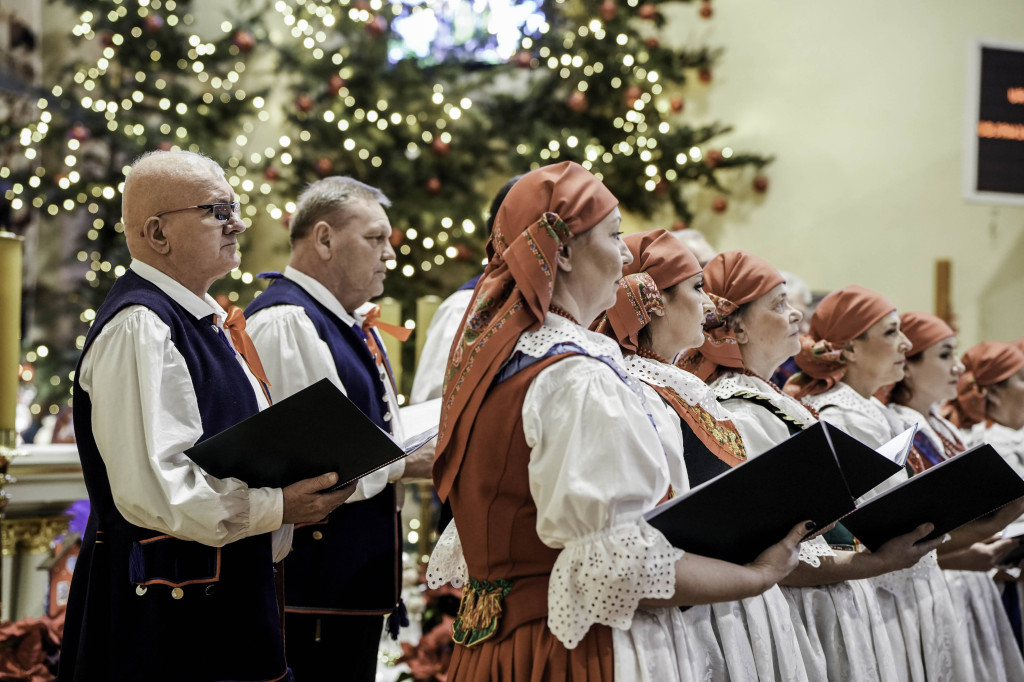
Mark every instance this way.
x=141 y=76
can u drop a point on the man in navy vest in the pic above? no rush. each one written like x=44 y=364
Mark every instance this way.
x=175 y=580
x=343 y=575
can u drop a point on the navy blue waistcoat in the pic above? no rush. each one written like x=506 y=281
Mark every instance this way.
x=349 y=563
x=122 y=621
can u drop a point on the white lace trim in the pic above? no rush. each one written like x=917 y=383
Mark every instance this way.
x=688 y=386
x=812 y=551
x=556 y=330
x=447 y=562
x=601 y=578
x=733 y=385
x=844 y=397
x=896 y=581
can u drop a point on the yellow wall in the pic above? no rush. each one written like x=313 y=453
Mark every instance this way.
x=864 y=105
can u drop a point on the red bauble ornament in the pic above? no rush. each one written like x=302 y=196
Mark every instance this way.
x=304 y=103
x=523 y=59
x=677 y=104
x=713 y=158
x=377 y=26
x=244 y=41
x=396 y=238
x=271 y=173
x=334 y=84
x=153 y=23
x=286 y=221
x=164 y=146
x=79 y=132
x=463 y=252
x=323 y=166
x=679 y=225
x=760 y=184
x=433 y=186
x=577 y=102
x=609 y=10
x=361 y=5
x=705 y=10
x=107 y=39
x=704 y=75
x=652 y=43
x=439 y=147
x=719 y=204
x=648 y=10
x=632 y=94
x=661 y=189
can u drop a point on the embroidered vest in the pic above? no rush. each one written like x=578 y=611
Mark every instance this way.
x=144 y=605
x=351 y=561
x=496 y=515
x=710 y=447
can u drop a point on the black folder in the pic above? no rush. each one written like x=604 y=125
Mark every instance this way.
x=742 y=512
x=863 y=466
x=312 y=432
x=950 y=494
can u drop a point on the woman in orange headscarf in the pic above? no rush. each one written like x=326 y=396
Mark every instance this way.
x=931 y=378
x=855 y=347
x=754 y=330
x=550 y=459
x=659 y=312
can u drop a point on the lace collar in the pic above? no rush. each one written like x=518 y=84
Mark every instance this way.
x=686 y=385
x=735 y=385
x=559 y=331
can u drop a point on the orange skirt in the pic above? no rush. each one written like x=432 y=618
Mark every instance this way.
x=530 y=653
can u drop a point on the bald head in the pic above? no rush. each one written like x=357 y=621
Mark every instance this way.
x=162 y=181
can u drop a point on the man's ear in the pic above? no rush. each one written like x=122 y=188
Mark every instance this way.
x=562 y=258
x=154 y=236
x=321 y=235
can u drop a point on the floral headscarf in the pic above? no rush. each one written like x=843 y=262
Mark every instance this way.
x=841 y=317
x=985 y=364
x=731 y=279
x=542 y=211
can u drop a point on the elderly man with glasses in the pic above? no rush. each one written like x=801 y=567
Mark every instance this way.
x=176 y=578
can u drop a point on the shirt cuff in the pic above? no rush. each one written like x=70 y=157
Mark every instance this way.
x=266 y=509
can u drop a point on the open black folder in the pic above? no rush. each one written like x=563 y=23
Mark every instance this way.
x=312 y=432
x=950 y=494
x=739 y=514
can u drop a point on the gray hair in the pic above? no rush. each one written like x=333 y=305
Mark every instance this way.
x=328 y=197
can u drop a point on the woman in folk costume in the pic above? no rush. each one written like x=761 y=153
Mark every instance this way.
x=855 y=347
x=752 y=332
x=930 y=379
x=550 y=458
x=659 y=313
x=989 y=408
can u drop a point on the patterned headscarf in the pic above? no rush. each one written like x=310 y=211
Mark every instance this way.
x=542 y=211
x=731 y=279
x=841 y=317
x=985 y=364
x=660 y=261
x=924 y=330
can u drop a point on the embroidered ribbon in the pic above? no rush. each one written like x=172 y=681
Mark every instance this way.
x=235 y=324
x=371 y=320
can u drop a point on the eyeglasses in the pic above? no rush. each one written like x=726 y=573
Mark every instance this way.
x=221 y=212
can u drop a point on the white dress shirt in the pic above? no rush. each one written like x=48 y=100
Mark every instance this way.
x=145 y=414
x=433 y=361
x=294 y=357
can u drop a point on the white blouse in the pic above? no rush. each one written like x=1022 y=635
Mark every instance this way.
x=597 y=463
x=433 y=361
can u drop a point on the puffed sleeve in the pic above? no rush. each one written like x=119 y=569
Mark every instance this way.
x=145 y=415
x=596 y=465
x=759 y=429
